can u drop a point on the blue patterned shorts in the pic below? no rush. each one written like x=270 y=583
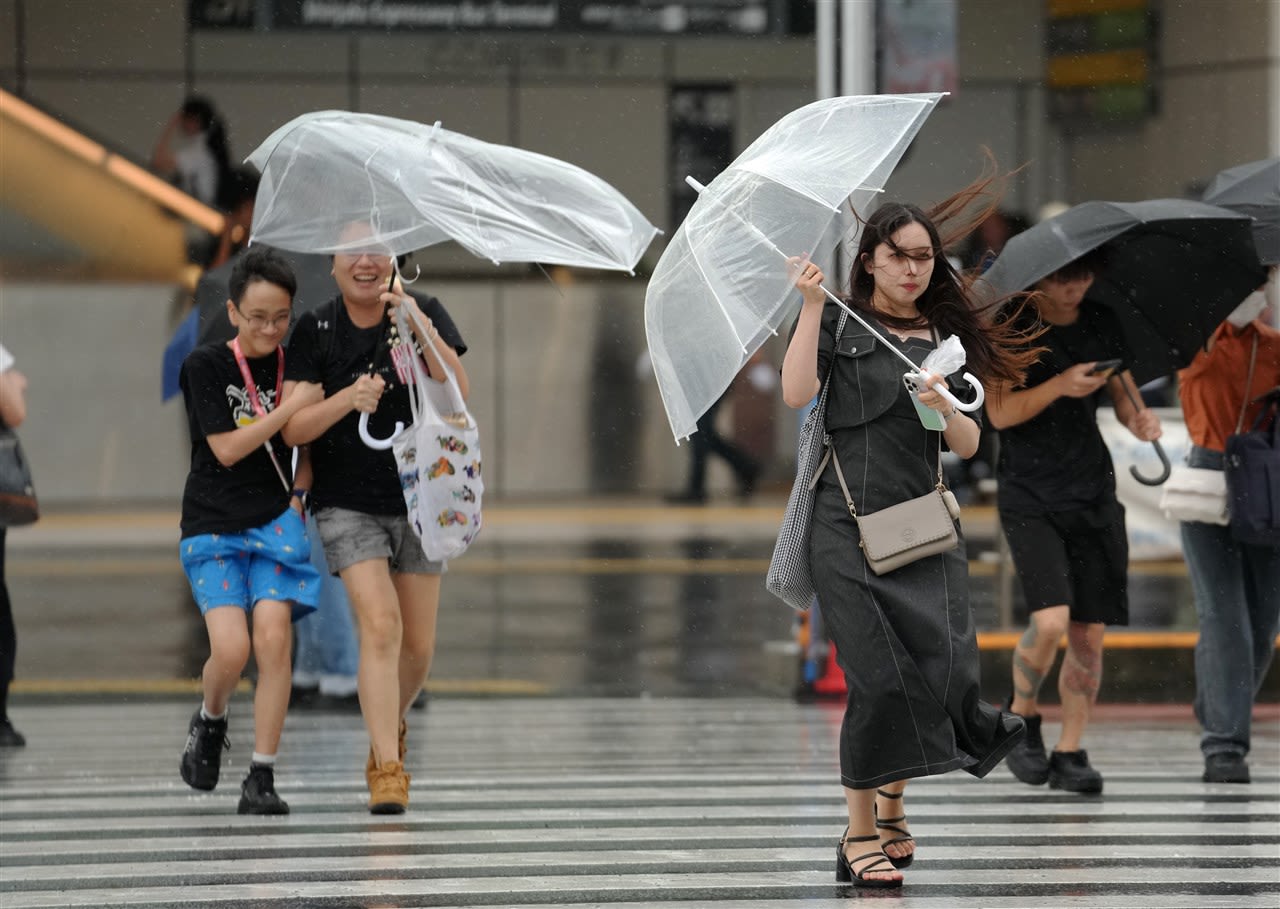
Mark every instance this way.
x=271 y=562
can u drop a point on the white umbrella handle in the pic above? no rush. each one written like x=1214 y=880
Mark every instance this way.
x=956 y=402
x=377 y=444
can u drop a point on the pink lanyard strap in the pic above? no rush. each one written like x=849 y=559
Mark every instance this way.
x=249 y=386
x=252 y=390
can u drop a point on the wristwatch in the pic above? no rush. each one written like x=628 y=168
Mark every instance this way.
x=303 y=496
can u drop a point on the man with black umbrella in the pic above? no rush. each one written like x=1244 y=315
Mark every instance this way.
x=1060 y=515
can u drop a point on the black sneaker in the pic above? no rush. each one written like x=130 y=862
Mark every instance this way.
x=1225 y=767
x=202 y=758
x=258 y=793
x=1027 y=759
x=1070 y=770
x=10 y=737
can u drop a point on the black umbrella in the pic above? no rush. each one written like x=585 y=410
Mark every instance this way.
x=1172 y=270
x=1253 y=189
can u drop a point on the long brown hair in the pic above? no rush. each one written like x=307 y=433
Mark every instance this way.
x=996 y=347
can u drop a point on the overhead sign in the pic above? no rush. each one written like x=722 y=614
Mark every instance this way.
x=1100 y=57
x=738 y=17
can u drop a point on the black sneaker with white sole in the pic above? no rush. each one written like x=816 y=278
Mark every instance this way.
x=202 y=757
x=258 y=793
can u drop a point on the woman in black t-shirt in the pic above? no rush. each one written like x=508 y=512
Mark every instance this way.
x=359 y=507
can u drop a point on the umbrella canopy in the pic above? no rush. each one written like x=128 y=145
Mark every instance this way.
x=1172 y=271
x=410 y=186
x=1253 y=189
x=721 y=287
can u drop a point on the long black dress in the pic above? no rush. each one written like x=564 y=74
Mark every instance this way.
x=905 y=640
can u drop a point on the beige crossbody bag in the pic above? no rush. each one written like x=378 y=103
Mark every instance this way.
x=902 y=533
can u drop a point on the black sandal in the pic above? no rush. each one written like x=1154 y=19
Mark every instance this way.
x=888 y=823
x=844 y=867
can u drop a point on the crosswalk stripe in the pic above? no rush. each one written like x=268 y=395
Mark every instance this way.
x=610 y=803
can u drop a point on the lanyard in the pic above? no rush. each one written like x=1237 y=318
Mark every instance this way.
x=248 y=377
x=252 y=390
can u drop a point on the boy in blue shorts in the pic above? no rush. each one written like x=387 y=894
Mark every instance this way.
x=244 y=547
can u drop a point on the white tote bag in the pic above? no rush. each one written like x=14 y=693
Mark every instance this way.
x=1196 y=494
x=438 y=458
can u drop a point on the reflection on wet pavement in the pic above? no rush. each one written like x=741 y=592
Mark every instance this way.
x=586 y=600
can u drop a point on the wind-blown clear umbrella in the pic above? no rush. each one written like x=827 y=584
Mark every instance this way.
x=721 y=287
x=404 y=186
x=417 y=185
x=1253 y=189
x=1172 y=271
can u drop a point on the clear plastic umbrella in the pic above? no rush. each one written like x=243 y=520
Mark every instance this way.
x=335 y=181
x=415 y=185
x=721 y=287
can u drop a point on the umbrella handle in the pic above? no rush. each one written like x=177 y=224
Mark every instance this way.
x=956 y=402
x=377 y=444
x=1165 y=468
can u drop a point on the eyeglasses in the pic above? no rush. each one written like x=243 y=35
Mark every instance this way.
x=260 y=323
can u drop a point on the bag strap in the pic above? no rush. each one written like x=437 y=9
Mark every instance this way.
x=420 y=373
x=937 y=342
x=1248 y=383
x=821 y=406
x=844 y=487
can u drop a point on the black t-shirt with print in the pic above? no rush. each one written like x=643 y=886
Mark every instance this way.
x=328 y=348
x=248 y=494
x=1057 y=460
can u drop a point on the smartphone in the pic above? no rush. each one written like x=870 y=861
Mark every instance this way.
x=1105 y=367
x=929 y=418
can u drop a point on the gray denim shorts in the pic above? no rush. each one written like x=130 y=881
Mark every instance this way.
x=353 y=536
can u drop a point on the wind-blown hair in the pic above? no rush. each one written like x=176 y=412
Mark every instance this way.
x=996 y=348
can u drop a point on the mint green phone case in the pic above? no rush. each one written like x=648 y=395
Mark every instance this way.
x=929 y=418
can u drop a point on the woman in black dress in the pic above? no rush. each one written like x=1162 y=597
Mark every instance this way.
x=905 y=640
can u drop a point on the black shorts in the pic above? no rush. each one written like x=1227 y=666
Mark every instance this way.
x=1075 y=558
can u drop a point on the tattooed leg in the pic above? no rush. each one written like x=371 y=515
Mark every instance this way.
x=1079 y=681
x=1034 y=655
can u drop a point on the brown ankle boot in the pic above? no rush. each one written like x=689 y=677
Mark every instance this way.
x=388 y=789
x=403 y=750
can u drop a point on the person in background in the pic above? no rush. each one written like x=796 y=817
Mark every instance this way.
x=708 y=441
x=13 y=411
x=193 y=153
x=239 y=194
x=1059 y=512
x=1236 y=584
x=347 y=345
x=244 y=545
x=326 y=653
x=904 y=639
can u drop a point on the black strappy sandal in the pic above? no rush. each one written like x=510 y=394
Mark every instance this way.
x=888 y=823
x=844 y=868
